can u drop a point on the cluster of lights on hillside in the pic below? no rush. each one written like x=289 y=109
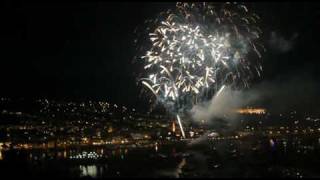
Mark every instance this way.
x=251 y=111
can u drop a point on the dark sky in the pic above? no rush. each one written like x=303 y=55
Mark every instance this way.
x=84 y=50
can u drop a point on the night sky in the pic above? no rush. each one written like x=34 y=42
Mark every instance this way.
x=84 y=50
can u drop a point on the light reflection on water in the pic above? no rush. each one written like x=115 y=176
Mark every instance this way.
x=180 y=166
x=90 y=170
x=175 y=172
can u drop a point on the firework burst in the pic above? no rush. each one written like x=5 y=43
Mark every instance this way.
x=197 y=48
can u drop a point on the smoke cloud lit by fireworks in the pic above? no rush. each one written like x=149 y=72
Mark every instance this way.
x=280 y=44
x=224 y=105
